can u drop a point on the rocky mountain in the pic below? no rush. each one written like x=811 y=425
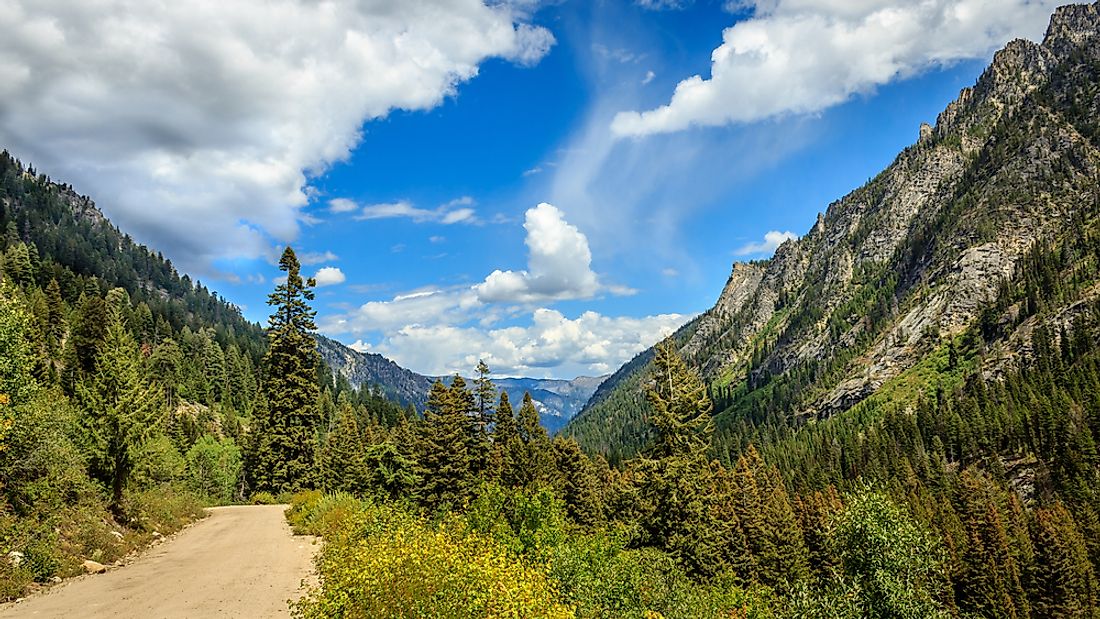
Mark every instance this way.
x=938 y=246
x=558 y=401
x=371 y=369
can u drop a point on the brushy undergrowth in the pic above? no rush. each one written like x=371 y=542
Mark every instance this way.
x=511 y=555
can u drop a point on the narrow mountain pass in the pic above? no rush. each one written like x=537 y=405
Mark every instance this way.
x=241 y=561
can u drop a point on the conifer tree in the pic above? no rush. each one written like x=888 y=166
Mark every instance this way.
x=504 y=432
x=768 y=521
x=287 y=453
x=122 y=408
x=579 y=485
x=677 y=486
x=991 y=583
x=55 y=321
x=444 y=460
x=485 y=394
x=530 y=455
x=681 y=407
x=466 y=404
x=89 y=330
x=1066 y=584
x=342 y=457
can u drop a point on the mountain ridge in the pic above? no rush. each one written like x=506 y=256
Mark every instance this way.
x=902 y=264
x=558 y=400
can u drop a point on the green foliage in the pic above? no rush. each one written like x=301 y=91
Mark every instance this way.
x=284 y=447
x=382 y=563
x=343 y=464
x=443 y=446
x=895 y=566
x=16 y=383
x=124 y=410
x=528 y=522
x=214 y=469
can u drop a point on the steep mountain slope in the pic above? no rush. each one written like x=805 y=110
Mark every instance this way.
x=558 y=401
x=374 y=370
x=71 y=241
x=902 y=267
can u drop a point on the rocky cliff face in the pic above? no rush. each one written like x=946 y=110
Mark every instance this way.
x=375 y=371
x=908 y=261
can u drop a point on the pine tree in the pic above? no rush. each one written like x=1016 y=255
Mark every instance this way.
x=681 y=407
x=504 y=432
x=1066 y=584
x=579 y=485
x=485 y=394
x=89 y=330
x=122 y=409
x=342 y=457
x=286 y=456
x=677 y=485
x=530 y=455
x=991 y=583
x=768 y=521
x=444 y=461
x=466 y=404
x=55 y=321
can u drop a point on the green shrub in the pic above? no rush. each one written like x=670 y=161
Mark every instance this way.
x=311 y=513
x=263 y=498
x=213 y=468
x=158 y=462
x=527 y=522
x=165 y=509
x=380 y=562
x=600 y=578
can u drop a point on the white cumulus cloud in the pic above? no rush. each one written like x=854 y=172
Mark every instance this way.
x=802 y=56
x=772 y=240
x=441 y=330
x=559 y=263
x=329 y=276
x=551 y=345
x=198 y=123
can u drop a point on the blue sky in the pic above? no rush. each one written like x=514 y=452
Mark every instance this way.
x=543 y=185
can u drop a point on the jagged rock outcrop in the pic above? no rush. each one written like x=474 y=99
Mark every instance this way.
x=900 y=265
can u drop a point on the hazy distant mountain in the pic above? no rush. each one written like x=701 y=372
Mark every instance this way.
x=558 y=401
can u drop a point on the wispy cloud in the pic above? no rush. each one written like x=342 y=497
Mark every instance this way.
x=453 y=212
x=313 y=257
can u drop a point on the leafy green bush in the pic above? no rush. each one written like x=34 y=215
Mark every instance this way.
x=158 y=462
x=600 y=578
x=313 y=514
x=527 y=522
x=381 y=562
x=213 y=468
x=263 y=498
x=163 y=509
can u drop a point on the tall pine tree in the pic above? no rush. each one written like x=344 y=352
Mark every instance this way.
x=285 y=444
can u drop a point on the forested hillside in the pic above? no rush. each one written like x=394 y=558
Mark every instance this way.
x=958 y=234
x=894 y=417
x=128 y=394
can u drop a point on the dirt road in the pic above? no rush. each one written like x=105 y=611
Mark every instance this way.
x=240 y=562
